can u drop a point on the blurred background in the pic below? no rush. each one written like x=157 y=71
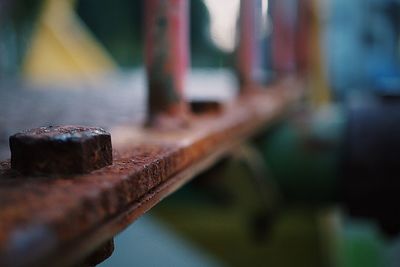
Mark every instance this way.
x=319 y=188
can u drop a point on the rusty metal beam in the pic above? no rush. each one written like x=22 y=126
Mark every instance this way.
x=58 y=220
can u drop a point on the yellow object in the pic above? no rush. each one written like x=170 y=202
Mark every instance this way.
x=63 y=49
x=320 y=92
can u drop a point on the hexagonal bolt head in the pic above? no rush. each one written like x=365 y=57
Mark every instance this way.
x=60 y=150
x=206 y=106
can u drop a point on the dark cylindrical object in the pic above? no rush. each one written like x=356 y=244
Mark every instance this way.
x=371 y=160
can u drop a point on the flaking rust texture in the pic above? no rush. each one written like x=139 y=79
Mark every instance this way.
x=66 y=207
x=47 y=213
x=60 y=150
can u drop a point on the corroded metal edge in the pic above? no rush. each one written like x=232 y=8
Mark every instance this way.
x=64 y=219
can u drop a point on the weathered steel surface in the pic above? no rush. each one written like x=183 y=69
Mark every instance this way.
x=59 y=221
x=60 y=150
x=167 y=55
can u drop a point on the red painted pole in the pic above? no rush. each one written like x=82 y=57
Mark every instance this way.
x=284 y=14
x=166 y=56
x=247 y=58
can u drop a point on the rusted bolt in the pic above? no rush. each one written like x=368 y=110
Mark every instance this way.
x=100 y=254
x=206 y=107
x=60 y=150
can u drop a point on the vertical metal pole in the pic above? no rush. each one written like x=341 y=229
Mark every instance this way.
x=247 y=58
x=166 y=56
x=284 y=15
x=302 y=36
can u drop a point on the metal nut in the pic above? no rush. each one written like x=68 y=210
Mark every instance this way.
x=60 y=150
x=206 y=106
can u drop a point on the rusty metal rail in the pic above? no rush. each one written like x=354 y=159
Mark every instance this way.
x=61 y=220
x=49 y=219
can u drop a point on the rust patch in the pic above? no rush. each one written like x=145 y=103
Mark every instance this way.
x=201 y=107
x=70 y=208
x=167 y=58
x=60 y=150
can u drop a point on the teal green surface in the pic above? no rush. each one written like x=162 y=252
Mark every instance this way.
x=303 y=156
x=361 y=245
